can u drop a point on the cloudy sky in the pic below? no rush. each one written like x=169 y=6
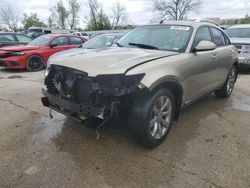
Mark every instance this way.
x=139 y=11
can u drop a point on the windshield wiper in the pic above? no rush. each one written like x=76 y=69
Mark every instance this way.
x=143 y=46
x=118 y=44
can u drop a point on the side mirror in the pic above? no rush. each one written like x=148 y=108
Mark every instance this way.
x=204 y=46
x=53 y=45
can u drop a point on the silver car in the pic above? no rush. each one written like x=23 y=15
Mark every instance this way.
x=240 y=38
x=146 y=78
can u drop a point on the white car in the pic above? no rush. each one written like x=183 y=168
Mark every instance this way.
x=82 y=34
x=240 y=38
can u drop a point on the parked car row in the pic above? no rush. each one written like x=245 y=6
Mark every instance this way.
x=35 y=54
x=8 y=39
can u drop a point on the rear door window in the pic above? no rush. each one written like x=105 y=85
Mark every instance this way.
x=218 y=37
x=227 y=40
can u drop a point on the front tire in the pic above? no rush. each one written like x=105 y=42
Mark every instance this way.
x=226 y=90
x=34 y=63
x=152 y=116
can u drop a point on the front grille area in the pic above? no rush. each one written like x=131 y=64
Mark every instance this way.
x=242 y=48
x=69 y=84
x=239 y=47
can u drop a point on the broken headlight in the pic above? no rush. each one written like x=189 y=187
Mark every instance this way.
x=119 y=84
x=47 y=71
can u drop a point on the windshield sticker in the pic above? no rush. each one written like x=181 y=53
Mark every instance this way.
x=180 y=28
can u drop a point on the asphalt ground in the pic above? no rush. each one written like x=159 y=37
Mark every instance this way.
x=208 y=147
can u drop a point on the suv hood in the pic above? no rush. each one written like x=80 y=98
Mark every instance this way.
x=19 y=48
x=240 y=40
x=107 y=61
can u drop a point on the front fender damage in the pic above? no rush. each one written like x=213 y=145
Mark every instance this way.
x=74 y=93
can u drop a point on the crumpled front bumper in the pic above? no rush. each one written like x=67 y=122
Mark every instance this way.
x=74 y=110
x=15 y=62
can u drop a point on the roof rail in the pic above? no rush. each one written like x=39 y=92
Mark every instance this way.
x=207 y=20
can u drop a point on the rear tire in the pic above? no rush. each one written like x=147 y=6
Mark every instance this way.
x=35 y=63
x=226 y=90
x=151 y=117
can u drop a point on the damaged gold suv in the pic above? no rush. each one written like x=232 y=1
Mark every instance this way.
x=146 y=78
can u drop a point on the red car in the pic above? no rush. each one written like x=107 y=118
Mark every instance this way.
x=35 y=55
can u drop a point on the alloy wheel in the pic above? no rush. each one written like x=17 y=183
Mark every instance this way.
x=161 y=117
x=231 y=81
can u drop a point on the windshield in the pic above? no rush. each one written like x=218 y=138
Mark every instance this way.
x=41 y=41
x=101 y=41
x=164 y=37
x=238 y=32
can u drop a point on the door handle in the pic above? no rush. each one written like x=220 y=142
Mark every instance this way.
x=215 y=57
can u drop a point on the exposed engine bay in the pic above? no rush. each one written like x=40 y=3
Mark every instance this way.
x=74 y=93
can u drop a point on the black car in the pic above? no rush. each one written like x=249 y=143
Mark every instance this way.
x=8 y=39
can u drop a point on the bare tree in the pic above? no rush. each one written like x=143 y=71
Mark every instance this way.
x=119 y=14
x=10 y=17
x=60 y=14
x=98 y=19
x=74 y=8
x=176 y=9
x=94 y=11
